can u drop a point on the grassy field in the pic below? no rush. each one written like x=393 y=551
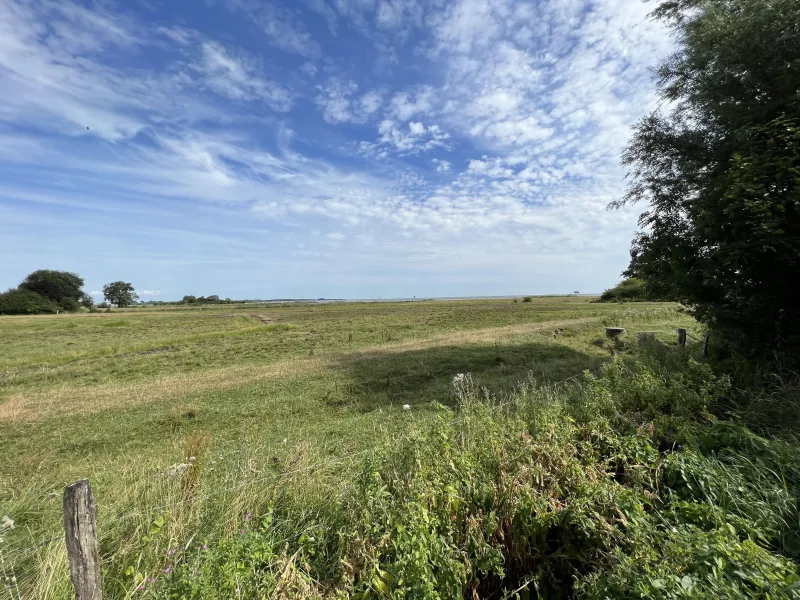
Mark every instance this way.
x=256 y=395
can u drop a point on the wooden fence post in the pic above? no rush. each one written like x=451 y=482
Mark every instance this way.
x=81 y=538
x=705 y=344
x=682 y=338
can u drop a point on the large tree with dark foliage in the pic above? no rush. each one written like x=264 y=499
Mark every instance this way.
x=54 y=285
x=719 y=165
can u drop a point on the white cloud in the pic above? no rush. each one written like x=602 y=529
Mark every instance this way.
x=309 y=68
x=236 y=77
x=334 y=101
x=339 y=102
x=490 y=168
x=416 y=128
x=411 y=139
x=442 y=166
x=178 y=34
x=150 y=293
x=405 y=105
x=279 y=26
x=371 y=101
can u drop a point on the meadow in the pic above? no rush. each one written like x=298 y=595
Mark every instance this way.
x=188 y=422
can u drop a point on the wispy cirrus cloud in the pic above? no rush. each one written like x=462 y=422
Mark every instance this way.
x=238 y=77
x=276 y=139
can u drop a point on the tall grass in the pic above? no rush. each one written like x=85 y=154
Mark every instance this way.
x=620 y=484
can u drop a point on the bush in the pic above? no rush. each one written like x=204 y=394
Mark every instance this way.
x=25 y=302
x=528 y=299
x=69 y=305
x=619 y=487
x=631 y=289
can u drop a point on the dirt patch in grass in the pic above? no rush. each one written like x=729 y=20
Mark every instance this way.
x=264 y=319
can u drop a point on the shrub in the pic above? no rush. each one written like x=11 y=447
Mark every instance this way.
x=25 y=302
x=69 y=304
x=631 y=289
x=570 y=494
x=528 y=299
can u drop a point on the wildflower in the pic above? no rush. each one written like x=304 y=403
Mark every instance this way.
x=151 y=580
x=178 y=469
x=168 y=570
x=242 y=532
x=205 y=546
x=6 y=522
x=406 y=407
x=248 y=516
x=141 y=587
x=171 y=552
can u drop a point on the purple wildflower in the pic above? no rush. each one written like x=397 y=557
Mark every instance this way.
x=205 y=546
x=168 y=570
x=248 y=516
x=171 y=552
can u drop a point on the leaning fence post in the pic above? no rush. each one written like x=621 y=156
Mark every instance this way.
x=81 y=538
x=705 y=344
x=682 y=337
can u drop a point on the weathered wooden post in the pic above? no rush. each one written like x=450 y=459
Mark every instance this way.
x=682 y=338
x=80 y=534
x=705 y=344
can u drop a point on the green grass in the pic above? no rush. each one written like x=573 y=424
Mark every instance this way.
x=254 y=392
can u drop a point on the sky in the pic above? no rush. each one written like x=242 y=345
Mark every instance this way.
x=321 y=148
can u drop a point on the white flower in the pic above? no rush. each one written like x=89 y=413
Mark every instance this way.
x=406 y=407
x=178 y=469
x=6 y=522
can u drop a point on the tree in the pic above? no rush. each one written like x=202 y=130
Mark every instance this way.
x=120 y=293
x=189 y=300
x=721 y=171
x=54 y=285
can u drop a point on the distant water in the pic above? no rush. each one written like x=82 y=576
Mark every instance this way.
x=419 y=299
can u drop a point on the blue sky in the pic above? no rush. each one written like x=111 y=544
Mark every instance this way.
x=306 y=148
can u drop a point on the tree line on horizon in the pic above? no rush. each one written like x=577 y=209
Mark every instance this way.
x=48 y=291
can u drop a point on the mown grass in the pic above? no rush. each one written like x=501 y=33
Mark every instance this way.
x=262 y=398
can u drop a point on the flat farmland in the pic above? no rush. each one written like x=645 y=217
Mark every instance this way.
x=245 y=397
